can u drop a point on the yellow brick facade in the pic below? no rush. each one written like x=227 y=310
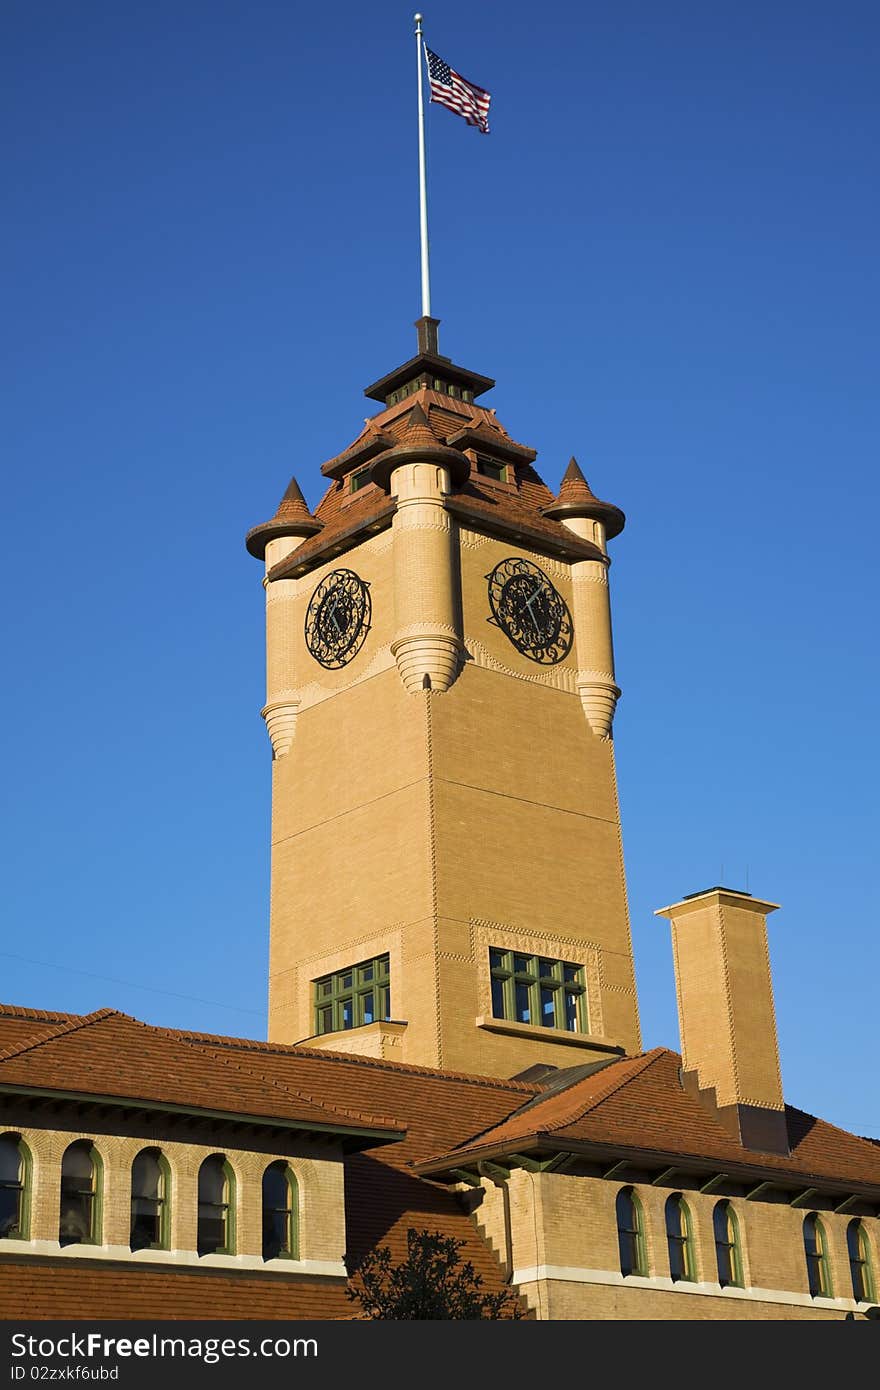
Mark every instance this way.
x=564 y=1257
x=318 y=1173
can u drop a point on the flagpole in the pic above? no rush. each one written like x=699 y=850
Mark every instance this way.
x=423 y=187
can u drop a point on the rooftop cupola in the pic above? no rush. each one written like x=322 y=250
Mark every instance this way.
x=428 y=369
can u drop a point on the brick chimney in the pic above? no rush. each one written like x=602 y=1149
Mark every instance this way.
x=725 y=1012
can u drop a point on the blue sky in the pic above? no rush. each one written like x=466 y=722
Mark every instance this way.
x=665 y=253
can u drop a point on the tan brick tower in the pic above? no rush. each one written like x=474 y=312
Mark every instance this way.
x=447 y=872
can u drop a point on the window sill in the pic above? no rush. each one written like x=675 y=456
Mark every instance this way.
x=554 y=1035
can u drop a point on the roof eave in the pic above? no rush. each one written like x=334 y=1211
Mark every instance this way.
x=478 y=438
x=442 y=367
x=298 y=564
x=564 y=546
x=368 y=1136
x=546 y=1143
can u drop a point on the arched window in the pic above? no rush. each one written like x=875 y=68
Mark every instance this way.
x=860 y=1262
x=816 y=1251
x=216 y=1232
x=682 y=1265
x=150 y=1187
x=79 y=1221
x=15 y=1168
x=727 y=1247
x=279 y=1212
x=631 y=1233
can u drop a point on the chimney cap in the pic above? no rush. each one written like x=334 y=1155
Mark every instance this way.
x=733 y=897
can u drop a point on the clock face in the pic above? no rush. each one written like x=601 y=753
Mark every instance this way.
x=530 y=611
x=338 y=618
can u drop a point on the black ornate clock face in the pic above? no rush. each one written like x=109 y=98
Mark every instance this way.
x=530 y=611
x=338 y=618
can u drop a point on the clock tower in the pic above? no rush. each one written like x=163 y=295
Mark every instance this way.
x=447 y=872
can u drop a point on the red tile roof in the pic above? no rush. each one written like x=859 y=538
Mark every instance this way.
x=18 y=1024
x=635 y=1107
x=384 y=1198
x=638 y=1104
x=109 y=1054
x=516 y=510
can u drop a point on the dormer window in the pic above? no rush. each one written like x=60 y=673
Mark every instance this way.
x=490 y=469
x=359 y=479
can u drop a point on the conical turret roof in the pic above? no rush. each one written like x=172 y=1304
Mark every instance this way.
x=292 y=518
x=576 y=498
x=417 y=442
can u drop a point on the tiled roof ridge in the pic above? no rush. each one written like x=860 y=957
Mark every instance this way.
x=826 y=1124
x=225 y=1040
x=78 y=1021
x=612 y=1086
x=315 y=1053
x=36 y=1015
x=483 y=1138
x=430 y=400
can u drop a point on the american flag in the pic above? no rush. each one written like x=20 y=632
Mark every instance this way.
x=462 y=97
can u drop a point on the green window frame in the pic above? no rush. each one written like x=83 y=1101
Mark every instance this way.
x=728 y=1252
x=538 y=990
x=631 y=1233
x=150 y=1221
x=80 y=1194
x=680 y=1240
x=353 y=997
x=359 y=479
x=280 y=1212
x=215 y=1234
x=16 y=1169
x=490 y=468
x=861 y=1273
x=816 y=1252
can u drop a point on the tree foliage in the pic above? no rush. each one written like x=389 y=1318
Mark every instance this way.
x=431 y=1283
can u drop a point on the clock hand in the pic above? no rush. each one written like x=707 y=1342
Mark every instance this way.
x=529 y=602
x=334 y=604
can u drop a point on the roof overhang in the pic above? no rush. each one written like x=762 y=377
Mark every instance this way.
x=561 y=546
x=426 y=364
x=543 y=1151
x=298 y=563
x=352 y=1136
